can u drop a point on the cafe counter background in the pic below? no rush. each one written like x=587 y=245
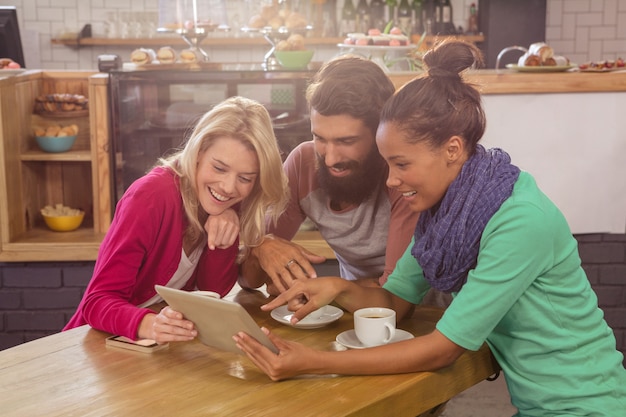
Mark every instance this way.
x=582 y=30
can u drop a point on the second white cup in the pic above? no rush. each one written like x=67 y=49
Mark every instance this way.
x=375 y=326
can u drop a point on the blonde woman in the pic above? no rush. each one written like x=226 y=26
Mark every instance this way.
x=182 y=224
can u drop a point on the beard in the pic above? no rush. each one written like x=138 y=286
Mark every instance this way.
x=355 y=188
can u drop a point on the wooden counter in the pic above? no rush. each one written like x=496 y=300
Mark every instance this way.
x=511 y=82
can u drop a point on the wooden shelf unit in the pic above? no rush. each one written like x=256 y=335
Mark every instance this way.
x=33 y=179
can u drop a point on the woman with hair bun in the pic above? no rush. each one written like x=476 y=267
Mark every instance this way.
x=488 y=236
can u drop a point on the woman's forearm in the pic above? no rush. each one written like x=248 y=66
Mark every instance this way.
x=353 y=296
x=423 y=353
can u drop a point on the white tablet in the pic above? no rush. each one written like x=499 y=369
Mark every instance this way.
x=216 y=320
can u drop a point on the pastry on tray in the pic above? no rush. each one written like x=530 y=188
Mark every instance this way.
x=541 y=54
x=190 y=56
x=60 y=102
x=166 y=55
x=142 y=56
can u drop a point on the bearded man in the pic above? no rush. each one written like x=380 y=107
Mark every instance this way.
x=338 y=180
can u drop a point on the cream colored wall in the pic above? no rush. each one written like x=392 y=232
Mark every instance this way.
x=580 y=29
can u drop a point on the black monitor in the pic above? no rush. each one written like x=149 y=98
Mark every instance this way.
x=10 y=40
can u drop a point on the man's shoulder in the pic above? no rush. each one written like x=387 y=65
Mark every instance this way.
x=305 y=151
x=300 y=165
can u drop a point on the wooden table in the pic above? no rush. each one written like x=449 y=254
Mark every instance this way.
x=73 y=373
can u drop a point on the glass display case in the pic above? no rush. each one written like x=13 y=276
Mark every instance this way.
x=153 y=111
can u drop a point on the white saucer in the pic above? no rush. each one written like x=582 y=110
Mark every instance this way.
x=349 y=339
x=283 y=315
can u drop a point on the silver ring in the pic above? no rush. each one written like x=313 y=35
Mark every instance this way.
x=289 y=263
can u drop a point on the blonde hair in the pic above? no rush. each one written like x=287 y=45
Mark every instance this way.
x=249 y=122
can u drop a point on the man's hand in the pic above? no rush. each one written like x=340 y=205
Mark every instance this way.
x=222 y=229
x=285 y=261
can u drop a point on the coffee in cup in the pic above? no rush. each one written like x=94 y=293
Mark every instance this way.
x=374 y=326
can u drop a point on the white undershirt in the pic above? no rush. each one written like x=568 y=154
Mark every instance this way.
x=181 y=276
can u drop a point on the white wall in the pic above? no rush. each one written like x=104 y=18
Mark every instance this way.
x=573 y=147
x=579 y=29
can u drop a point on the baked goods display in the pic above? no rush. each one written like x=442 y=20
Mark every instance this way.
x=295 y=42
x=191 y=56
x=8 y=63
x=61 y=103
x=206 y=25
x=142 y=56
x=166 y=55
x=603 y=66
x=59 y=210
x=56 y=130
x=276 y=18
x=541 y=54
x=374 y=37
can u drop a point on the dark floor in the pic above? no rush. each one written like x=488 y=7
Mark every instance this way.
x=487 y=399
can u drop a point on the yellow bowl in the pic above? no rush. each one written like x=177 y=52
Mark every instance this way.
x=64 y=223
x=294 y=59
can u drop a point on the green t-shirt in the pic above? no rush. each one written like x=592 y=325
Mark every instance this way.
x=530 y=300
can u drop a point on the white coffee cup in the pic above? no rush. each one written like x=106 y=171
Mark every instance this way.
x=375 y=326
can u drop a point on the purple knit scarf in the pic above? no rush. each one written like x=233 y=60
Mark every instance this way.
x=447 y=242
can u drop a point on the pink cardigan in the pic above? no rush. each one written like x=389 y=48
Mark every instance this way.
x=141 y=249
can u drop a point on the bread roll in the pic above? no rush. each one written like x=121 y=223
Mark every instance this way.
x=190 y=56
x=143 y=56
x=529 y=60
x=549 y=62
x=166 y=55
x=296 y=42
x=56 y=130
x=256 y=22
x=68 y=131
x=283 y=45
x=542 y=50
x=53 y=130
x=275 y=22
x=68 y=106
x=295 y=21
x=268 y=11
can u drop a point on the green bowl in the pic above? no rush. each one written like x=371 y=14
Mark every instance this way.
x=55 y=144
x=294 y=59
